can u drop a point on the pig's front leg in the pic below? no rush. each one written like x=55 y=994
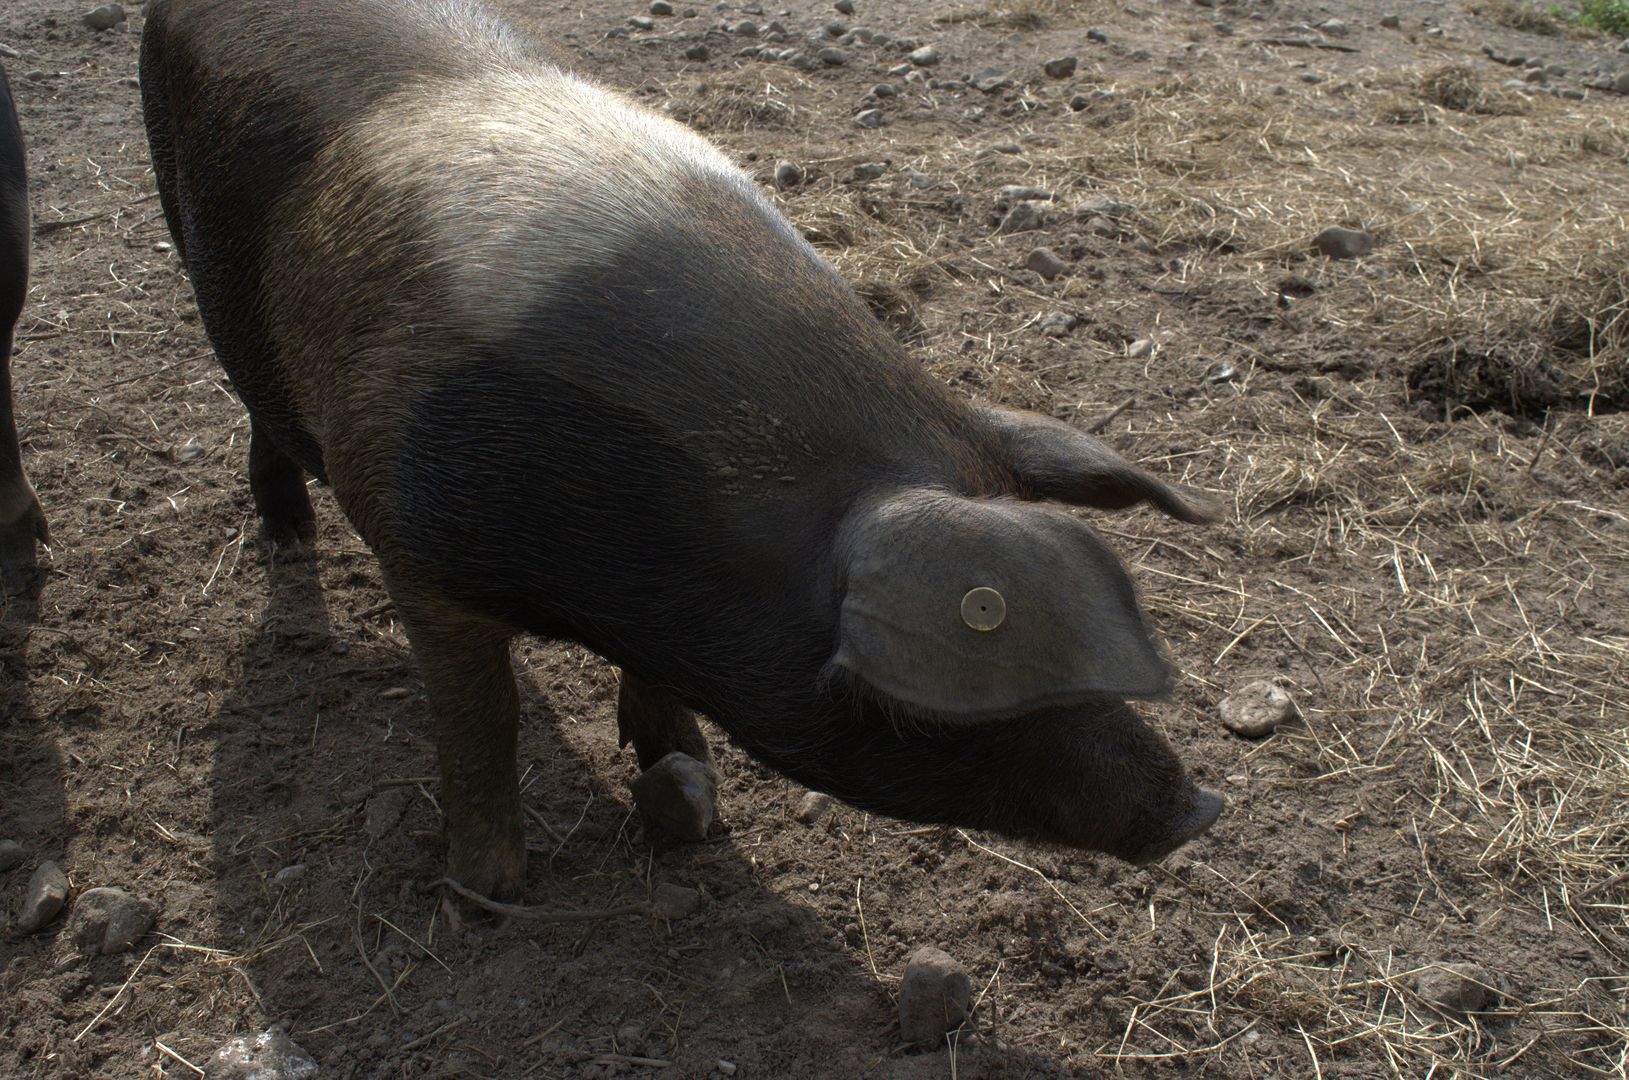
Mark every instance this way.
x=678 y=788
x=476 y=712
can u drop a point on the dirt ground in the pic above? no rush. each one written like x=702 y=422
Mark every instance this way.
x=1424 y=450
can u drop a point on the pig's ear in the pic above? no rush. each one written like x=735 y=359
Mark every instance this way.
x=966 y=609
x=1056 y=461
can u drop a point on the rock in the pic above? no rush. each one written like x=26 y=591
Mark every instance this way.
x=1624 y=48
x=884 y=90
x=1391 y=22
x=1256 y=709
x=1061 y=68
x=935 y=996
x=1339 y=243
x=1001 y=148
x=1097 y=37
x=1463 y=988
x=1046 y=263
x=1535 y=76
x=844 y=7
x=867 y=170
x=991 y=79
x=47 y=892
x=1102 y=226
x=1311 y=77
x=1023 y=217
x=1620 y=82
x=1333 y=28
x=926 y=56
x=1057 y=323
x=109 y=920
x=12 y=855
x=745 y=28
x=813 y=806
x=1013 y=193
x=271 y=1055
x=660 y=7
x=288 y=875
x=832 y=56
x=869 y=118
x=674 y=901
x=641 y=22
x=788 y=174
x=678 y=793
x=1140 y=348
x=1221 y=372
x=105 y=17
x=698 y=51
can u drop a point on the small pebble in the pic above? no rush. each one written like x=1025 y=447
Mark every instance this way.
x=844 y=7
x=46 y=893
x=935 y=996
x=1339 y=243
x=108 y=920
x=832 y=56
x=1333 y=28
x=105 y=17
x=698 y=51
x=813 y=806
x=788 y=174
x=867 y=170
x=1062 y=67
x=1257 y=709
x=1391 y=22
x=678 y=793
x=641 y=22
x=288 y=875
x=1046 y=263
x=271 y=1055
x=745 y=28
x=1140 y=348
x=989 y=80
x=1012 y=193
x=660 y=7
x=869 y=118
x=12 y=855
x=1464 y=988
x=723 y=1066
x=926 y=56
x=1097 y=37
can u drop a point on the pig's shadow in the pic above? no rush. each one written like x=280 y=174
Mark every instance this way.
x=326 y=840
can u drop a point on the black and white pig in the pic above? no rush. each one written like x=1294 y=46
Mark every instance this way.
x=569 y=373
x=22 y=522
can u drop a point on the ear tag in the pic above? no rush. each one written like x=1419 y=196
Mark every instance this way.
x=983 y=609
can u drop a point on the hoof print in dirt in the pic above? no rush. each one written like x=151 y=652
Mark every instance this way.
x=1339 y=243
x=678 y=794
x=271 y=1055
x=47 y=892
x=109 y=920
x=1457 y=988
x=935 y=997
x=1256 y=709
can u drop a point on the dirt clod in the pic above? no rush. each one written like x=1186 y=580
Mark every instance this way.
x=109 y=920
x=935 y=996
x=47 y=892
x=12 y=855
x=1457 y=987
x=1339 y=243
x=677 y=794
x=674 y=901
x=1257 y=708
x=814 y=806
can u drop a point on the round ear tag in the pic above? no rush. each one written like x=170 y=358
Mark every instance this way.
x=983 y=609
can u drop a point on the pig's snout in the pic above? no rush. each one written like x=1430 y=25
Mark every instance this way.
x=1197 y=818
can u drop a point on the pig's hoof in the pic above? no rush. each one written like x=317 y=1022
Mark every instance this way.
x=17 y=540
x=679 y=794
x=1207 y=807
x=289 y=540
x=500 y=878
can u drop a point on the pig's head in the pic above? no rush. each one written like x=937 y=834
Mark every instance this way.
x=987 y=646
